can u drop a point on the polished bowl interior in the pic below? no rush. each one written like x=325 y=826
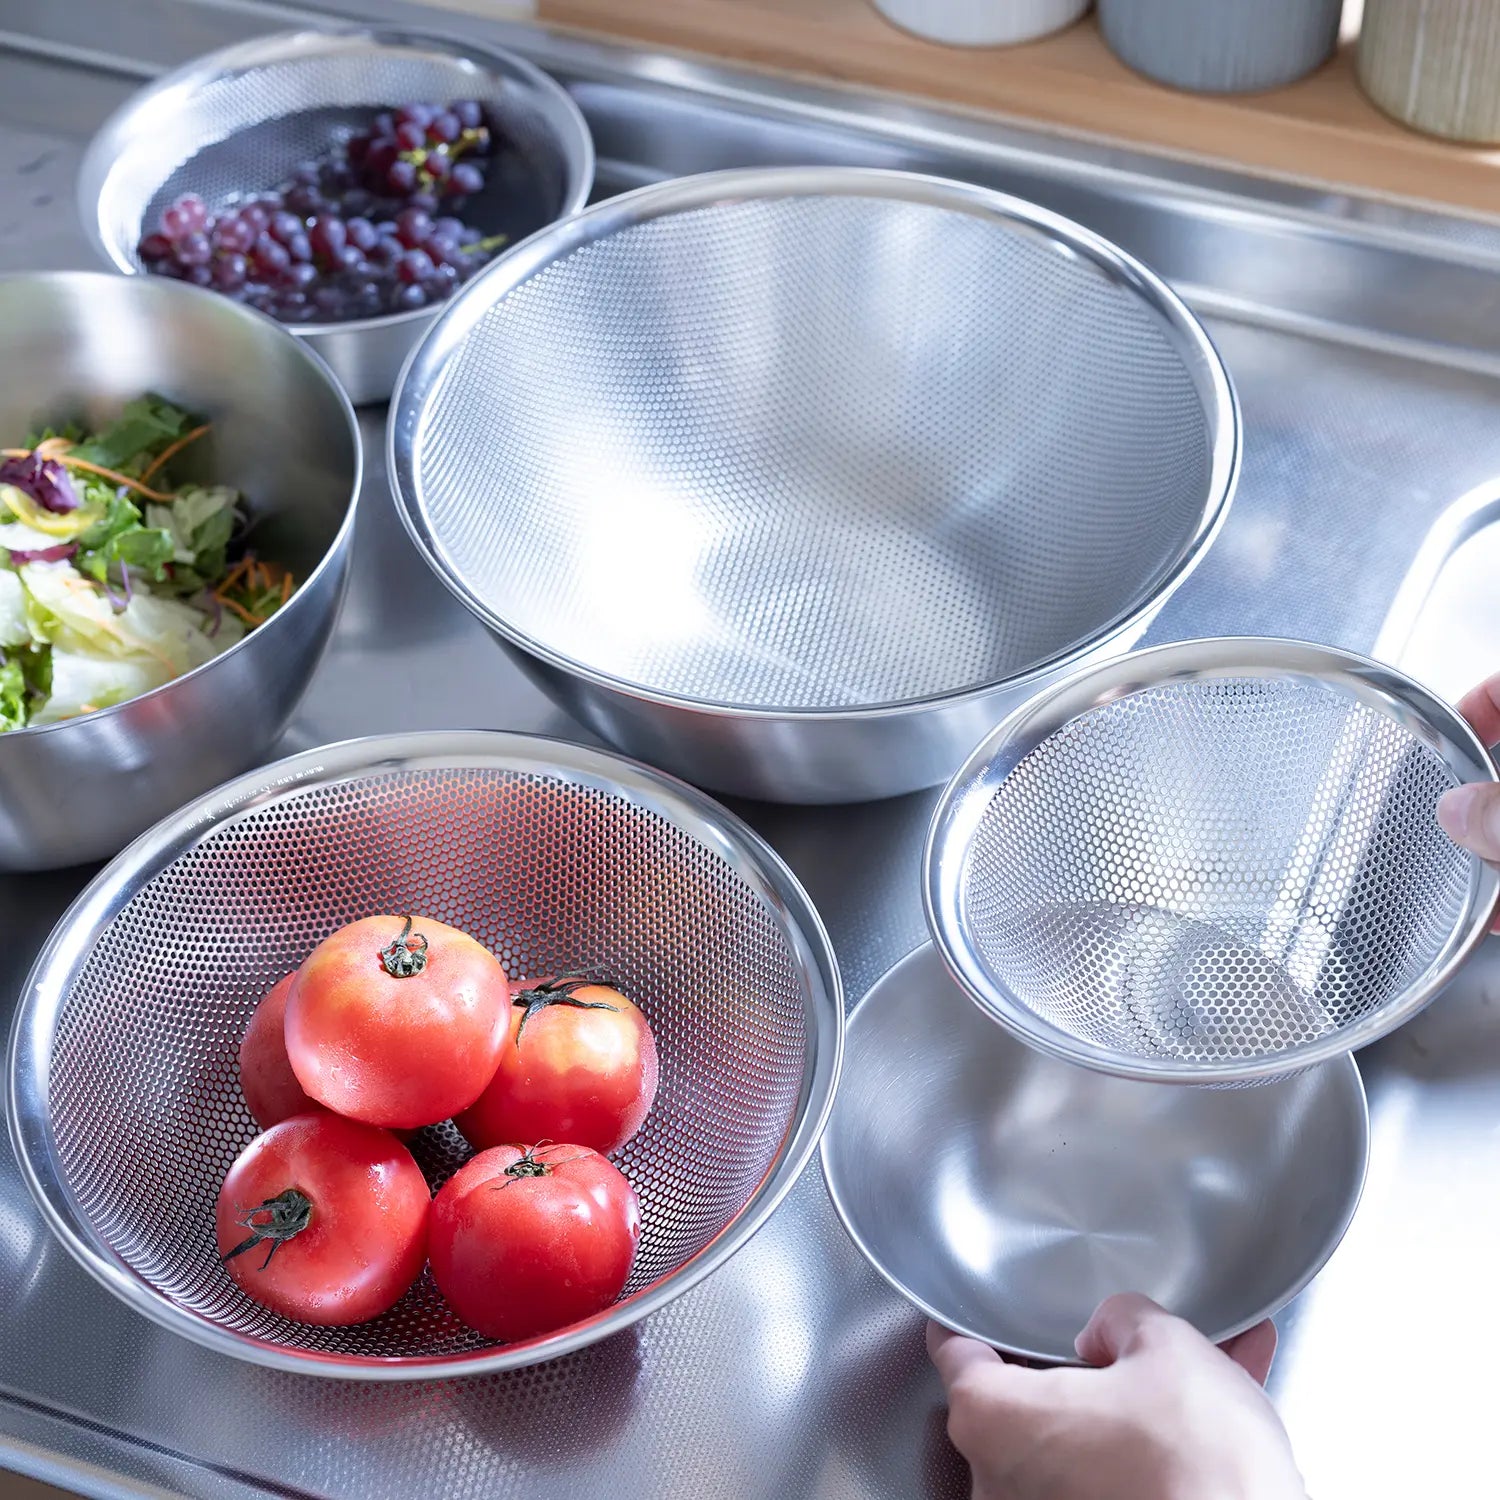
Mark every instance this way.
x=1215 y=861
x=125 y=1105
x=235 y=123
x=80 y=346
x=812 y=442
x=1006 y=1194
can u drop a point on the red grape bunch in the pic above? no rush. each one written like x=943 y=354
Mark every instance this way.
x=371 y=227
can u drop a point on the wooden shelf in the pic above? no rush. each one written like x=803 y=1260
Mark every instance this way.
x=1321 y=130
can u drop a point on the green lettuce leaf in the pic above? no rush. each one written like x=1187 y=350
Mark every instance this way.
x=13 y=704
x=36 y=667
x=143 y=429
x=200 y=521
x=119 y=537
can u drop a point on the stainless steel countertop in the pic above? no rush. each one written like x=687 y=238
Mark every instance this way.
x=1365 y=343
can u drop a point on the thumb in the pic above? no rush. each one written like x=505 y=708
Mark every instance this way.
x=1117 y=1326
x=1470 y=816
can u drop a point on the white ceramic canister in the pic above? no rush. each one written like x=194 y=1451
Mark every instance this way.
x=981 y=23
x=1221 y=46
x=1435 y=65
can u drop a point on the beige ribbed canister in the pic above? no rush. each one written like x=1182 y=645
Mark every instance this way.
x=1435 y=65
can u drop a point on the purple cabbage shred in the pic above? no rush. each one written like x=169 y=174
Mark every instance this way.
x=60 y=553
x=44 y=479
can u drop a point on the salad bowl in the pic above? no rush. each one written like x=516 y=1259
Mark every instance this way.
x=97 y=763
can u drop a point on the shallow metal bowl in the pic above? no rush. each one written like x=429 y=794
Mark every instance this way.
x=125 y=1108
x=795 y=480
x=1212 y=862
x=284 y=435
x=238 y=121
x=1006 y=1194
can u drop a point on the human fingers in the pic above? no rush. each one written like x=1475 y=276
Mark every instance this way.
x=1481 y=708
x=955 y=1356
x=1254 y=1350
x=1117 y=1324
x=1470 y=816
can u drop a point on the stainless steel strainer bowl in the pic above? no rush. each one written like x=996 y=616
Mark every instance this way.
x=237 y=121
x=125 y=1109
x=1211 y=862
x=794 y=481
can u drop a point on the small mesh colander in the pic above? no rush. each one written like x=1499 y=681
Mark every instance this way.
x=1213 y=862
x=126 y=1109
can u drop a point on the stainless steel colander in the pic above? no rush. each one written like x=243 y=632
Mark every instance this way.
x=1212 y=862
x=794 y=481
x=125 y=1109
x=237 y=122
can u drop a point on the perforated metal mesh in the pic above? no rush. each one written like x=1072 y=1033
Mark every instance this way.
x=1216 y=870
x=238 y=132
x=550 y=873
x=813 y=451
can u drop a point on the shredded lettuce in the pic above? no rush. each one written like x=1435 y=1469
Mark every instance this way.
x=119 y=539
x=200 y=523
x=146 y=427
x=120 y=594
x=82 y=684
x=25 y=682
x=14 y=630
x=13 y=705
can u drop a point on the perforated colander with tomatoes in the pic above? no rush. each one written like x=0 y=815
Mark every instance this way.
x=126 y=1107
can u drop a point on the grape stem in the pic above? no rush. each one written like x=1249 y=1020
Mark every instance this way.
x=418 y=158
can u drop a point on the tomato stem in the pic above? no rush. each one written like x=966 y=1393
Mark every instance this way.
x=406 y=954
x=287 y=1215
x=557 y=991
x=528 y=1165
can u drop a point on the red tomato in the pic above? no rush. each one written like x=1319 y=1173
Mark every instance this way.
x=579 y=1065
x=526 y=1242
x=270 y=1087
x=324 y=1220
x=397 y=1021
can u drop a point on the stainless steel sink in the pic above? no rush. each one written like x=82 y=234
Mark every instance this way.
x=1365 y=343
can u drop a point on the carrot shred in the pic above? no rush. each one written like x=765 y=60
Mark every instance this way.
x=169 y=453
x=232 y=577
x=61 y=454
x=242 y=612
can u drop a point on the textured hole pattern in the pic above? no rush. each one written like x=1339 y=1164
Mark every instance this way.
x=814 y=452
x=243 y=132
x=1217 y=870
x=549 y=873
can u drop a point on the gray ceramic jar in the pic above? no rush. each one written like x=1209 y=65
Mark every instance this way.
x=1221 y=46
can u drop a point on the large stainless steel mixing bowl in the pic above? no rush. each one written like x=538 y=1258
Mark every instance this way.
x=79 y=346
x=125 y=1106
x=795 y=481
x=1007 y=1194
x=239 y=120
